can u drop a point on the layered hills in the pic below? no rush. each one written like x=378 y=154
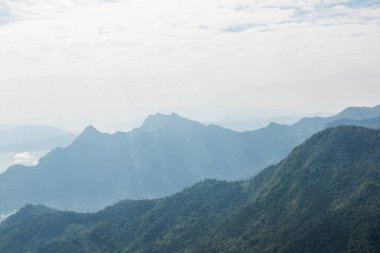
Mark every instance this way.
x=323 y=197
x=166 y=154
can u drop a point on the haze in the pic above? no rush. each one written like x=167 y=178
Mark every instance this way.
x=97 y=61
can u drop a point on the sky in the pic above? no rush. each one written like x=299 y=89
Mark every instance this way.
x=101 y=61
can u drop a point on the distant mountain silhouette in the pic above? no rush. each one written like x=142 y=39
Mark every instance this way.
x=164 y=155
x=33 y=137
x=373 y=123
x=359 y=113
x=324 y=197
x=253 y=123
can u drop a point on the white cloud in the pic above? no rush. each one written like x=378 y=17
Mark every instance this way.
x=104 y=59
x=23 y=157
x=8 y=159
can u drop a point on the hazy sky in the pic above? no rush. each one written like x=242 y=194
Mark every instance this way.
x=102 y=59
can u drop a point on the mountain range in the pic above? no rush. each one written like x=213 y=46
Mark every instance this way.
x=166 y=154
x=323 y=197
x=253 y=123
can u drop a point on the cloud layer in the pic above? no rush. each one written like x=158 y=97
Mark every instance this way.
x=8 y=159
x=75 y=58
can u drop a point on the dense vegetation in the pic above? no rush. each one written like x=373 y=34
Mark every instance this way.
x=165 y=155
x=324 y=197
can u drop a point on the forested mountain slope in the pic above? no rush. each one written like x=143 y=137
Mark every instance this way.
x=324 y=197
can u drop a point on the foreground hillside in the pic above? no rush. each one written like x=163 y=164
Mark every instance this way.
x=324 y=197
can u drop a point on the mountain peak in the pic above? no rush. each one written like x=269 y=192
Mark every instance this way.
x=88 y=133
x=159 y=115
x=159 y=120
x=27 y=212
x=90 y=129
x=275 y=125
